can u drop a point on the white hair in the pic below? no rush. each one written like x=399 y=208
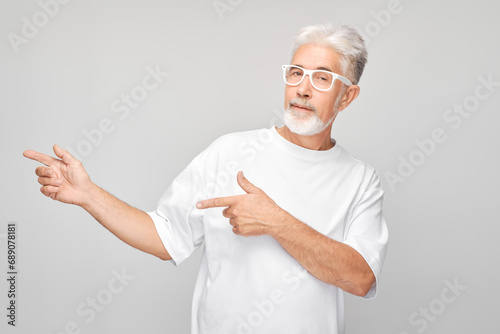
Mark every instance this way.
x=344 y=40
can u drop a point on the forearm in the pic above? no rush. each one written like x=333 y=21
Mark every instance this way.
x=131 y=225
x=328 y=260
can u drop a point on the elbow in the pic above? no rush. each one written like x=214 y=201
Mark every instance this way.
x=364 y=286
x=162 y=254
x=362 y=291
x=359 y=285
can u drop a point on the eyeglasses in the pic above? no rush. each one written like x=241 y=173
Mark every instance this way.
x=321 y=80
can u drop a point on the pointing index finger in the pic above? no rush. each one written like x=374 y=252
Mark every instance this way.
x=40 y=157
x=217 y=202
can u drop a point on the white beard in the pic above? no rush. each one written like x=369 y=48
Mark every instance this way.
x=303 y=124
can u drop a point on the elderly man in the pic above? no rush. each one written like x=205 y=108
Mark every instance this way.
x=283 y=240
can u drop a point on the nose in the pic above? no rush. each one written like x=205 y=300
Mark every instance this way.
x=304 y=89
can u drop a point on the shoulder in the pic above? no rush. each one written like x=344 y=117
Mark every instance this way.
x=236 y=139
x=227 y=146
x=365 y=172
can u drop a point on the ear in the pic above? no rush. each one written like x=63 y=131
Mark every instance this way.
x=350 y=94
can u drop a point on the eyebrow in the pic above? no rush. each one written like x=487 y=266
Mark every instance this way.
x=318 y=68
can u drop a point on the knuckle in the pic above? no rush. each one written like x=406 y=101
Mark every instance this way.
x=237 y=230
x=243 y=231
x=39 y=171
x=47 y=181
x=49 y=191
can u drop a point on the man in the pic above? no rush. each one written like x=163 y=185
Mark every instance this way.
x=282 y=245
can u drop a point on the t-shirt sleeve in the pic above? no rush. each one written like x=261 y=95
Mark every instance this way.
x=366 y=230
x=178 y=223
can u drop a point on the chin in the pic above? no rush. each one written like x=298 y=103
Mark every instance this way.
x=304 y=126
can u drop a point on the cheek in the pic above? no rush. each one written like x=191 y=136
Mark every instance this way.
x=289 y=95
x=325 y=108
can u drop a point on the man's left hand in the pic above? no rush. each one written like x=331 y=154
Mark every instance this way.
x=251 y=214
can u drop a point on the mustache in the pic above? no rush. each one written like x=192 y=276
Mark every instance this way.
x=299 y=102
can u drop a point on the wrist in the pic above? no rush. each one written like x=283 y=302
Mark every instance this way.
x=88 y=196
x=281 y=221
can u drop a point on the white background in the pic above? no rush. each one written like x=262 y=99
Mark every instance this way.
x=225 y=76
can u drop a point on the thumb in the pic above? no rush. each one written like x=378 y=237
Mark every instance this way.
x=245 y=184
x=64 y=155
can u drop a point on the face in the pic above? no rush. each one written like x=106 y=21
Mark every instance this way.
x=307 y=110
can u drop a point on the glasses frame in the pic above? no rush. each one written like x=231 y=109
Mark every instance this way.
x=311 y=72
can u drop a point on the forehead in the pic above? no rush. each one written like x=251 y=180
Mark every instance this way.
x=312 y=57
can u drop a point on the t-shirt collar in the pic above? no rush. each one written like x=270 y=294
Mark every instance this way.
x=302 y=152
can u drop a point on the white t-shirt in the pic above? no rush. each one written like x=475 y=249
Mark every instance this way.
x=251 y=284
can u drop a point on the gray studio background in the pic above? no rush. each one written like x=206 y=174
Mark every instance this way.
x=425 y=61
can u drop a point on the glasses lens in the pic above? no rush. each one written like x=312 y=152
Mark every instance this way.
x=322 y=80
x=293 y=75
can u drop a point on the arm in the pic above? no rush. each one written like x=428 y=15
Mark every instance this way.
x=66 y=180
x=331 y=261
x=328 y=260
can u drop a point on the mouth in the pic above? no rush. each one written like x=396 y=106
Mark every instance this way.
x=301 y=108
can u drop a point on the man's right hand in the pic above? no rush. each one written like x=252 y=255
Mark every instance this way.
x=66 y=180
x=63 y=179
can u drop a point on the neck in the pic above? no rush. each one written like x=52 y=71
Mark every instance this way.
x=317 y=142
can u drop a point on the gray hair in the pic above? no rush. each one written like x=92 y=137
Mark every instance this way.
x=344 y=40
